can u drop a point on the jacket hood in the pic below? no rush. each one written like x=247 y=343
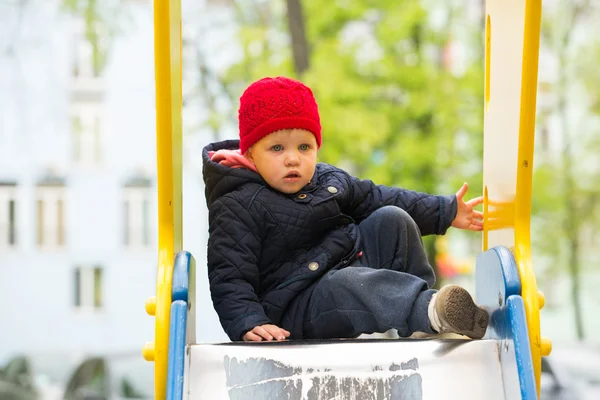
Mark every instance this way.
x=220 y=179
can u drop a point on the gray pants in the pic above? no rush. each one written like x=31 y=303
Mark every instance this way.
x=388 y=287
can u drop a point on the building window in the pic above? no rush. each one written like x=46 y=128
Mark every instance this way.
x=40 y=222
x=136 y=214
x=86 y=132
x=8 y=215
x=87 y=285
x=50 y=213
x=83 y=53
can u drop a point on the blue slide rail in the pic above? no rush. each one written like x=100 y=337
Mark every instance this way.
x=183 y=267
x=498 y=289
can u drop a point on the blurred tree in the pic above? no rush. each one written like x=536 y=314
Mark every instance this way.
x=565 y=204
x=259 y=27
x=300 y=49
x=398 y=104
x=99 y=24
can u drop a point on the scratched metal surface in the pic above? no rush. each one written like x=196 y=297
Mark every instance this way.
x=347 y=370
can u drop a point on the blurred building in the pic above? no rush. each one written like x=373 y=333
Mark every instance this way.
x=78 y=185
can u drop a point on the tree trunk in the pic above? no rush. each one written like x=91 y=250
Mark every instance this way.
x=575 y=270
x=298 y=35
x=571 y=221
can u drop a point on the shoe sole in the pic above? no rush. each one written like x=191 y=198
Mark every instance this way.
x=457 y=310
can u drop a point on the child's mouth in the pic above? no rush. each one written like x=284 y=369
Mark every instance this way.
x=292 y=177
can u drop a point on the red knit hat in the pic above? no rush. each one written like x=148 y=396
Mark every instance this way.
x=272 y=104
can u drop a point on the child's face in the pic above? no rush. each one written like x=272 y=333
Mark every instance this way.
x=285 y=159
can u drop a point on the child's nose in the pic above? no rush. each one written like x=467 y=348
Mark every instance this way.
x=292 y=158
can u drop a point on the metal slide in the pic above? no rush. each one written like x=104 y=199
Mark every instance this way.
x=504 y=365
x=498 y=367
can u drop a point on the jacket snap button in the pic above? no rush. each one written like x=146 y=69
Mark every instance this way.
x=301 y=196
x=313 y=266
x=332 y=189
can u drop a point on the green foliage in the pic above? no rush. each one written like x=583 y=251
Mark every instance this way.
x=566 y=207
x=565 y=202
x=391 y=110
x=99 y=19
x=589 y=72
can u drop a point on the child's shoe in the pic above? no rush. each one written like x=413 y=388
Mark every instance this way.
x=452 y=309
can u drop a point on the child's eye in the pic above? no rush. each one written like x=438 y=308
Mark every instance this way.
x=304 y=147
x=277 y=147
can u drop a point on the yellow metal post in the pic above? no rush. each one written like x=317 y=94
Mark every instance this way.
x=511 y=69
x=167 y=59
x=531 y=297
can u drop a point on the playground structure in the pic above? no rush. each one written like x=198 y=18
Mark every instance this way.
x=506 y=364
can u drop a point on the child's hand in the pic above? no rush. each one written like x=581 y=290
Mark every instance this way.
x=466 y=216
x=265 y=332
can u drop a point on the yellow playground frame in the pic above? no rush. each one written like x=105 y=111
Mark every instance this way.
x=509 y=116
x=510 y=212
x=534 y=299
x=167 y=59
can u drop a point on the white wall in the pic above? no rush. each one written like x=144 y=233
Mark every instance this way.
x=36 y=287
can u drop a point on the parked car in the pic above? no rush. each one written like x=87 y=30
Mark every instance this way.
x=571 y=372
x=58 y=377
x=36 y=376
x=112 y=377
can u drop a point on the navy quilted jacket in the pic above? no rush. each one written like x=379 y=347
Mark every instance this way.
x=267 y=249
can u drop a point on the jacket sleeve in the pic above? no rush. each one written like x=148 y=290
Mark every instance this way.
x=433 y=214
x=233 y=254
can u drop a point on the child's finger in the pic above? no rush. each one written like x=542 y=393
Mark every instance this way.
x=461 y=192
x=477 y=222
x=252 y=337
x=260 y=331
x=275 y=331
x=475 y=226
x=478 y=214
x=283 y=334
x=475 y=202
x=281 y=330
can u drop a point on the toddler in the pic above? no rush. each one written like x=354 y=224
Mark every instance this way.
x=303 y=250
